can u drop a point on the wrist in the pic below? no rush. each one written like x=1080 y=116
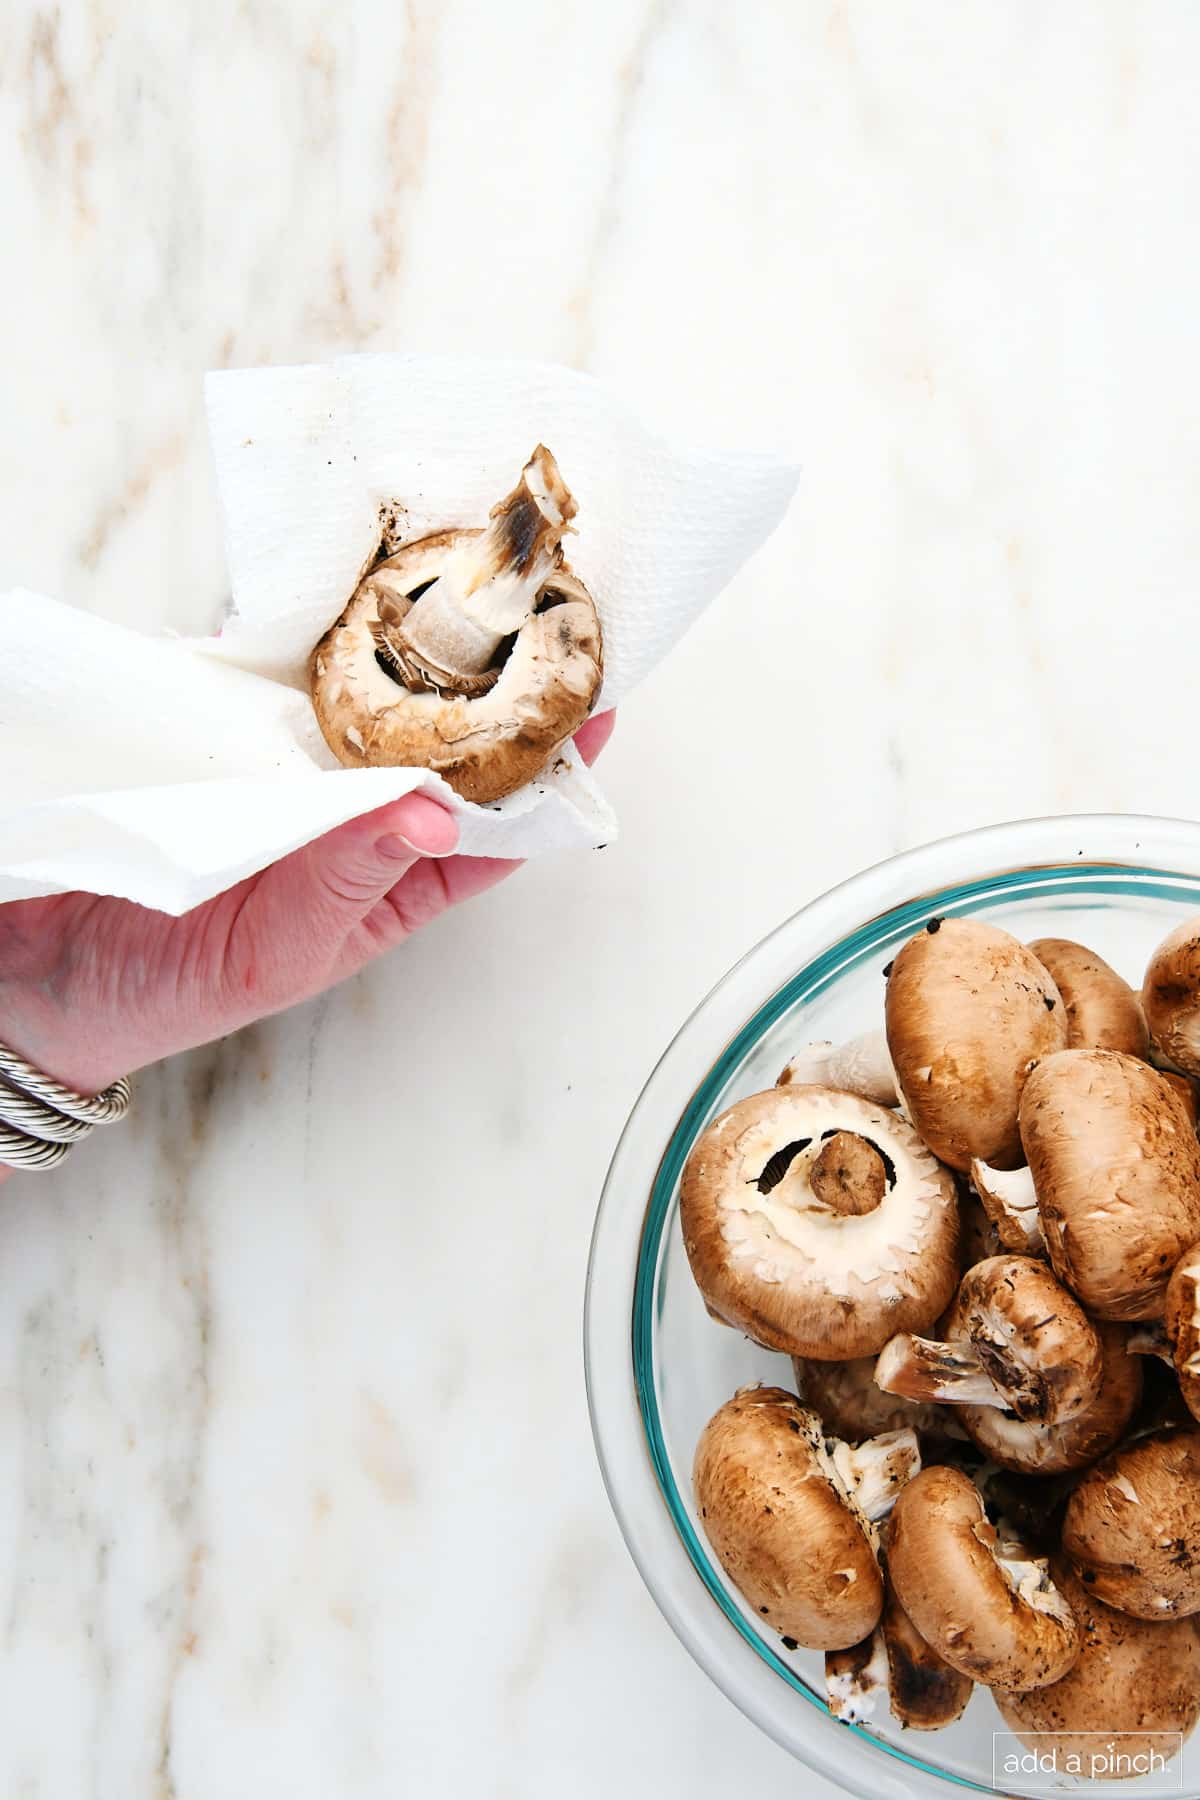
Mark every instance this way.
x=62 y=1047
x=42 y=1020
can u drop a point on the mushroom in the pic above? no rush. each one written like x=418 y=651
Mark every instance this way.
x=969 y=1012
x=1132 y=1529
x=1014 y=1339
x=1131 y=1677
x=852 y=1406
x=978 y=1237
x=924 y=1692
x=818 y=1223
x=1034 y=1449
x=1116 y=1165
x=1171 y=997
x=857 y=1678
x=1030 y=1507
x=1103 y=1012
x=1185 y=1087
x=860 y=1066
x=985 y=1603
x=1010 y=1201
x=473 y=653
x=1182 y=1322
x=791 y=1515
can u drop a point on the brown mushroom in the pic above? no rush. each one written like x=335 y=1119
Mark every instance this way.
x=475 y=654
x=1134 y=1690
x=1171 y=997
x=1185 y=1087
x=986 y=1604
x=1103 y=1012
x=805 y=1250
x=1014 y=1338
x=1182 y=1323
x=790 y=1515
x=1132 y=1529
x=1009 y=1199
x=969 y=1012
x=1116 y=1165
x=923 y=1691
x=852 y=1406
x=1027 y=1447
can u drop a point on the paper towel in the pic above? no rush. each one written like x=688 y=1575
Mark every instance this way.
x=164 y=771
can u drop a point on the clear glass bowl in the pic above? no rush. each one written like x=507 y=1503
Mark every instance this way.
x=658 y=1366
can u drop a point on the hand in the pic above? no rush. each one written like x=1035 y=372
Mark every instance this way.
x=92 y=988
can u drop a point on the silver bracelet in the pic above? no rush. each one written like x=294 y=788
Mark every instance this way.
x=41 y=1120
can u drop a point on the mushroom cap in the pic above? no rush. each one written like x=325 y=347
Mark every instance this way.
x=1171 y=997
x=784 y=1532
x=925 y=1692
x=791 y=1272
x=1131 y=1676
x=1033 y=1337
x=484 y=747
x=1116 y=1164
x=1103 y=1012
x=969 y=1010
x=1182 y=1320
x=999 y=1621
x=851 y=1405
x=1027 y=1447
x=1132 y=1529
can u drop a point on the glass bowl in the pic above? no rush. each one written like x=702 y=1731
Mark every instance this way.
x=658 y=1366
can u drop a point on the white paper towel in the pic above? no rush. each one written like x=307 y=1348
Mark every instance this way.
x=165 y=771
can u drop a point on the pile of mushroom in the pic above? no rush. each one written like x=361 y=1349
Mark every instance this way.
x=976 y=1233
x=473 y=653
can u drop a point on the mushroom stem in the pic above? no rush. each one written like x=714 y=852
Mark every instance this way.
x=1010 y=1201
x=859 y=1066
x=920 y=1369
x=856 y=1678
x=872 y=1474
x=487 y=586
x=1149 y=1339
x=848 y=1174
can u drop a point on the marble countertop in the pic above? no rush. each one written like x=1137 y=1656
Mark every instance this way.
x=299 y=1494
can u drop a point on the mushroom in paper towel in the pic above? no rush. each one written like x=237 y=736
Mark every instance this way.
x=472 y=653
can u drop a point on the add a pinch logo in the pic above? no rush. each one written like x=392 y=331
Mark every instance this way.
x=1043 y=1762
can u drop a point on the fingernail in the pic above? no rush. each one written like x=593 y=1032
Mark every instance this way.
x=394 y=848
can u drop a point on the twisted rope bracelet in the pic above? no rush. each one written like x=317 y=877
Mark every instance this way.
x=41 y=1120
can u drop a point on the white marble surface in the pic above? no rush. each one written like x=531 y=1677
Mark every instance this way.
x=298 y=1492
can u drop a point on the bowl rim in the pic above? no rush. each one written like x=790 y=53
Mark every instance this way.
x=1067 y=847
